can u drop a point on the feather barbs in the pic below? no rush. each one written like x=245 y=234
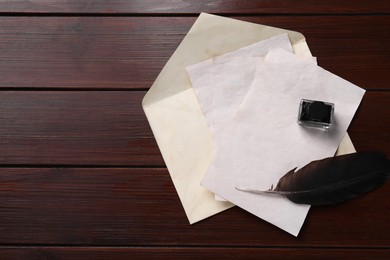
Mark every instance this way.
x=332 y=180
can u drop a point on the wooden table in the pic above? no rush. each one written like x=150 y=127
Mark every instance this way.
x=81 y=175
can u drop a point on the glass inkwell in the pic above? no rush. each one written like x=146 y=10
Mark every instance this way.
x=316 y=114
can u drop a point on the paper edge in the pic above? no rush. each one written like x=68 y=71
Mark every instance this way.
x=148 y=102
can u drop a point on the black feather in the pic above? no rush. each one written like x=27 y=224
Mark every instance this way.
x=333 y=180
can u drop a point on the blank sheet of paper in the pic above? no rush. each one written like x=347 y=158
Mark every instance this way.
x=226 y=79
x=264 y=141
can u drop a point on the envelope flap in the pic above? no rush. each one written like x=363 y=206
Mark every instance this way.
x=210 y=36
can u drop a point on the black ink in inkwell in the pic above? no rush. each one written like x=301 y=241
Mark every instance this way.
x=314 y=113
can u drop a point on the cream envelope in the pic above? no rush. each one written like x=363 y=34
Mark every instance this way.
x=174 y=114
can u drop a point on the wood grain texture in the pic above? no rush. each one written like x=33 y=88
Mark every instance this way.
x=191 y=253
x=191 y=7
x=81 y=176
x=372 y=123
x=129 y=52
x=78 y=128
x=139 y=207
x=110 y=128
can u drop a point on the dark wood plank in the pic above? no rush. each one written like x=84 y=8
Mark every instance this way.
x=191 y=253
x=95 y=52
x=129 y=52
x=191 y=7
x=78 y=128
x=372 y=123
x=140 y=207
x=110 y=128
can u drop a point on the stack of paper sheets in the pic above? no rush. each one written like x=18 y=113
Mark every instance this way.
x=251 y=105
x=247 y=100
